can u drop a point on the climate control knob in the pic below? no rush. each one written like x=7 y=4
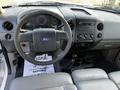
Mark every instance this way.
x=100 y=26
x=80 y=36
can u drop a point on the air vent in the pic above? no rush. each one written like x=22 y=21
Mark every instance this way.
x=100 y=26
x=8 y=25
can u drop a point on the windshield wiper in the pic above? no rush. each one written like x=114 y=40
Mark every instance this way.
x=38 y=3
x=41 y=3
x=8 y=6
x=111 y=10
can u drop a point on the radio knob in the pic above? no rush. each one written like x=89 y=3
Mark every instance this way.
x=99 y=35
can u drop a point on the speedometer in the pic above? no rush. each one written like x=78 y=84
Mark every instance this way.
x=41 y=20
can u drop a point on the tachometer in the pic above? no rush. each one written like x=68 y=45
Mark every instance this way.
x=41 y=20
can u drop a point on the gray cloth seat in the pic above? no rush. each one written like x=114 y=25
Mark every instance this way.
x=57 y=81
x=115 y=77
x=92 y=79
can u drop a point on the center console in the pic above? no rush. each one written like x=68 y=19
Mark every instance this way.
x=88 y=30
x=86 y=27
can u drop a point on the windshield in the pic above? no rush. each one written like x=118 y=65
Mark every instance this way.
x=113 y=4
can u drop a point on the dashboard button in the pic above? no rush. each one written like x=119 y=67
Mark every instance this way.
x=99 y=35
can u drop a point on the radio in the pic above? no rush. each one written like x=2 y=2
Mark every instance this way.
x=88 y=30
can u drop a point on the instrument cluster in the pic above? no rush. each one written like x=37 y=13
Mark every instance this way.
x=42 y=21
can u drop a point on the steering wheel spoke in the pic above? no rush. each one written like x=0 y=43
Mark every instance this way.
x=32 y=55
x=26 y=37
x=61 y=35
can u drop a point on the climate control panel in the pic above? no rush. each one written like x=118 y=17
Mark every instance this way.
x=88 y=30
x=85 y=37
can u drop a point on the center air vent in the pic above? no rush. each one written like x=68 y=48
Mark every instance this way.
x=8 y=25
x=100 y=26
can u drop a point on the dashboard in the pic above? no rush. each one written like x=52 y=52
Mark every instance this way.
x=89 y=27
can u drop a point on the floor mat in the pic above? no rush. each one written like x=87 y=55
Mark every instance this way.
x=101 y=62
x=31 y=69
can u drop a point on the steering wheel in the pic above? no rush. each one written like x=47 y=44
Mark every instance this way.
x=43 y=40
